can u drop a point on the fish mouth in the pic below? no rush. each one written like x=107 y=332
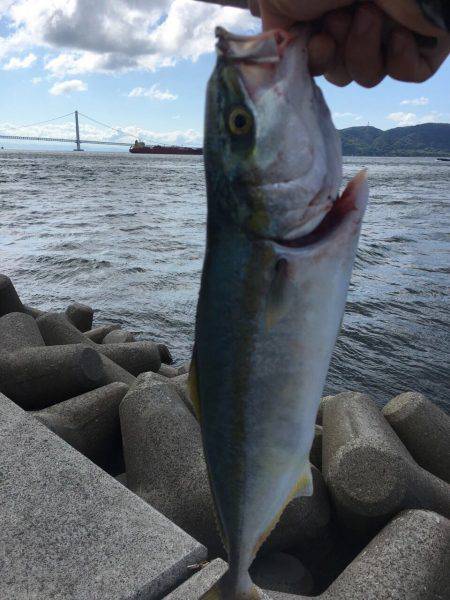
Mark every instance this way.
x=265 y=48
x=349 y=206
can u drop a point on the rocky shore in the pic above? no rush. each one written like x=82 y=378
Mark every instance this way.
x=105 y=492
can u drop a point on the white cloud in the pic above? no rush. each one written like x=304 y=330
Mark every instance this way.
x=67 y=87
x=422 y=101
x=347 y=115
x=153 y=92
x=20 y=63
x=36 y=80
x=127 y=134
x=119 y=35
x=403 y=119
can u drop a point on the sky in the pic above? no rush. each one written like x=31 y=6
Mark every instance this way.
x=142 y=67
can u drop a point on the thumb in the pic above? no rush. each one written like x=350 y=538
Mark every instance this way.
x=271 y=18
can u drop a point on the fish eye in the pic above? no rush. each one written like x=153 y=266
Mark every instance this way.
x=240 y=121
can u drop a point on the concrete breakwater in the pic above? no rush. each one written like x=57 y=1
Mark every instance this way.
x=105 y=493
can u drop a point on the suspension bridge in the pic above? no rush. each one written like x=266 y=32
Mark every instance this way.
x=77 y=140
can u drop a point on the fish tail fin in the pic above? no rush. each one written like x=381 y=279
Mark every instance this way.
x=230 y=588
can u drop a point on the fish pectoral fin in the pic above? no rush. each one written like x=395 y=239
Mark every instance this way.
x=278 y=296
x=193 y=386
x=304 y=486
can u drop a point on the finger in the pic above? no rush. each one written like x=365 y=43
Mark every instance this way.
x=321 y=51
x=407 y=62
x=337 y=23
x=436 y=55
x=303 y=10
x=409 y=14
x=338 y=74
x=363 y=52
x=274 y=20
x=254 y=8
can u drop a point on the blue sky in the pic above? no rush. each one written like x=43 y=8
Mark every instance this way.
x=142 y=66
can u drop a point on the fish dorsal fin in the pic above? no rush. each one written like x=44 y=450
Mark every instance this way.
x=193 y=386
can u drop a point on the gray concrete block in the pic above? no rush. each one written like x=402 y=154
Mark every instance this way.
x=323 y=401
x=19 y=330
x=33 y=312
x=200 y=582
x=203 y=580
x=305 y=525
x=136 y=358
x=285 y=596
x=9 y=298
x=184 y=368
x=166 y=356
x=114 y=372
x=119 y=336
x=70 y=531
x=407 y=560
x=181 y=384
x=315 y=455
x=165 y=466
x=370 y=474
x=90 y=423
x=281 y=572
x=424 y=429
x=98 y=334
x=122 y=479
x=167 y=371
x=57 y=329
x=38 y=377
x=164 y=458
x=80 y=315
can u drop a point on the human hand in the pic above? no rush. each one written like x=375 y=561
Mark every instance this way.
x=363 y=41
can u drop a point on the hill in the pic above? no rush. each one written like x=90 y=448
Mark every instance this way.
x=429 y=139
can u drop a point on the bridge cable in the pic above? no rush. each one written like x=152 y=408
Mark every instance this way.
x=42 y=122
x=105 y=125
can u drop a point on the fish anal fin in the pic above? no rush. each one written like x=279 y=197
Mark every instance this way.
x=303 y=487
x=193 y=387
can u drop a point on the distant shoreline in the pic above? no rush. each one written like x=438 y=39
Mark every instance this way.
x=200 y=153
x=430 y=140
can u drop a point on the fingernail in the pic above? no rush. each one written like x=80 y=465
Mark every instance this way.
x=364 y=21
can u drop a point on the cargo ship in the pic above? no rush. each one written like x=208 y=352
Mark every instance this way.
x=141 y=148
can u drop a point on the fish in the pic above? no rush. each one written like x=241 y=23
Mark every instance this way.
x=280 y=247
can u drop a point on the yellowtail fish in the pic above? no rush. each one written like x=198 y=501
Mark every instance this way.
x=280 y=250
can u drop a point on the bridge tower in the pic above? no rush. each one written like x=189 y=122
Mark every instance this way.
x=77 y=132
